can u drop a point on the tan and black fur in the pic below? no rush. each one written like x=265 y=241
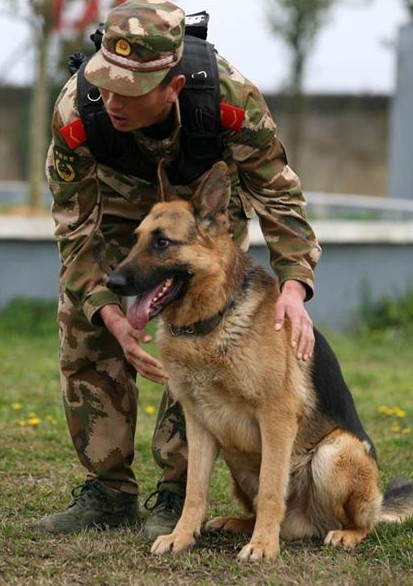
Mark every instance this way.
x=301 y=463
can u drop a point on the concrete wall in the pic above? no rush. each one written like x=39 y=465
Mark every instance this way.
x=343 y=142
x=343 y=145
x=360 y=260
x=28 y=269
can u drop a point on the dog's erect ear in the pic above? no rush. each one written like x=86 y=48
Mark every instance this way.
x=165 y=190
x=212 y=196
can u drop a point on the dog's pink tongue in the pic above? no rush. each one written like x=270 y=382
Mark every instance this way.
x=138 y=313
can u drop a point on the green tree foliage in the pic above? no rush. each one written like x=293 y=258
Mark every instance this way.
x=54 y=38
x=297 y=23
x=409 y=6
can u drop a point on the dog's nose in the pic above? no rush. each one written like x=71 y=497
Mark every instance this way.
x=117 y=283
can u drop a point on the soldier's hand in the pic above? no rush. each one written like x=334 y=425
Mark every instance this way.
x=129 y=340
x=291 y=304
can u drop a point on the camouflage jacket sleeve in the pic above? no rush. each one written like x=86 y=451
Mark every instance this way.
x=269 y=184
x=77 y=213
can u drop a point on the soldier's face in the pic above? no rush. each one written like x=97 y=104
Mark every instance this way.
x=129 y=113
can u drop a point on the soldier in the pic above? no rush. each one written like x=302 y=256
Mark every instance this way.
x=98 y=203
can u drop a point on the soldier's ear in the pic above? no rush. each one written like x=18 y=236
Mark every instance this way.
x=175 y=87
x=211 y=198
x=165 y=190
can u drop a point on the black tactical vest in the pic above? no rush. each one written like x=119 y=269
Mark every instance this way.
x=200 y=144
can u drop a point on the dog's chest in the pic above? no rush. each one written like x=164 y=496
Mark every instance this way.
x=214 y=392
x=204 y=374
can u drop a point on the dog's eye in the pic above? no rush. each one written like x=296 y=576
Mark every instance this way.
x=161 y=243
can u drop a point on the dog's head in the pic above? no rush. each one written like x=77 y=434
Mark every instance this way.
x=174 y=244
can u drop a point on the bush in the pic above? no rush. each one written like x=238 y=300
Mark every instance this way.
x=32 y=317
x=388 y=313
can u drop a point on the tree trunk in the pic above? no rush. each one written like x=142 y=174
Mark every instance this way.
x=296 y=109
x=38 y=123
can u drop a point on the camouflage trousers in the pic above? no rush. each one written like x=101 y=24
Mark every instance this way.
x=100 y=399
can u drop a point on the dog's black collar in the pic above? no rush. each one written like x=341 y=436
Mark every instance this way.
x=201 y=328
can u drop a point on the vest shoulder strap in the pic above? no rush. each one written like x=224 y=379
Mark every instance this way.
x=201 y=139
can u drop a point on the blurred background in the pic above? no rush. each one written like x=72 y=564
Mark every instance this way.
x=336 y=74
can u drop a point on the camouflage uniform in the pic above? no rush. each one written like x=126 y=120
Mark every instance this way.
x=96 y=210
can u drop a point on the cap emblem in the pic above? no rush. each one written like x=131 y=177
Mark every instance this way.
x=123 y=48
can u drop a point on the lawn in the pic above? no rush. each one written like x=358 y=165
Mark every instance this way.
x=38 y=468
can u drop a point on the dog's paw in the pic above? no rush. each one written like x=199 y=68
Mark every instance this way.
x=257 y=550
x=232 y=525
x=174 y=543
x=345 y=538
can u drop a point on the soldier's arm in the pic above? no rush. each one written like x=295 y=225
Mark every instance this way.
x=77 y=213
x=271 y=186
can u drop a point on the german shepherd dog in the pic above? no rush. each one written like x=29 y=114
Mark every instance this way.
x=301 y=463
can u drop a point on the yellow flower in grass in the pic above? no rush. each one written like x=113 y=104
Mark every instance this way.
x=51 y=419
x=390 y=411
x=395 y=427
x=400 y=413
x=406 y=430
x=150 y=410
x=16 y=406
x=385 y=410
x=34 y=420
x=22 y=422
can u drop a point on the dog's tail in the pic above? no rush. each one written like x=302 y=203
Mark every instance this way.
x=397 y=501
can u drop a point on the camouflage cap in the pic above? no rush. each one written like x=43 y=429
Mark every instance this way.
x=142 y=41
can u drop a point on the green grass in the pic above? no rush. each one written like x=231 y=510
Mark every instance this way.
x=38 y=468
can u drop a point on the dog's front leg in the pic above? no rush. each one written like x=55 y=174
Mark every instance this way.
x=202 y=452
x=278 y=432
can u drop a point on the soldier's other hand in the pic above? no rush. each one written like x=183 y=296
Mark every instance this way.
x=291 y=304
